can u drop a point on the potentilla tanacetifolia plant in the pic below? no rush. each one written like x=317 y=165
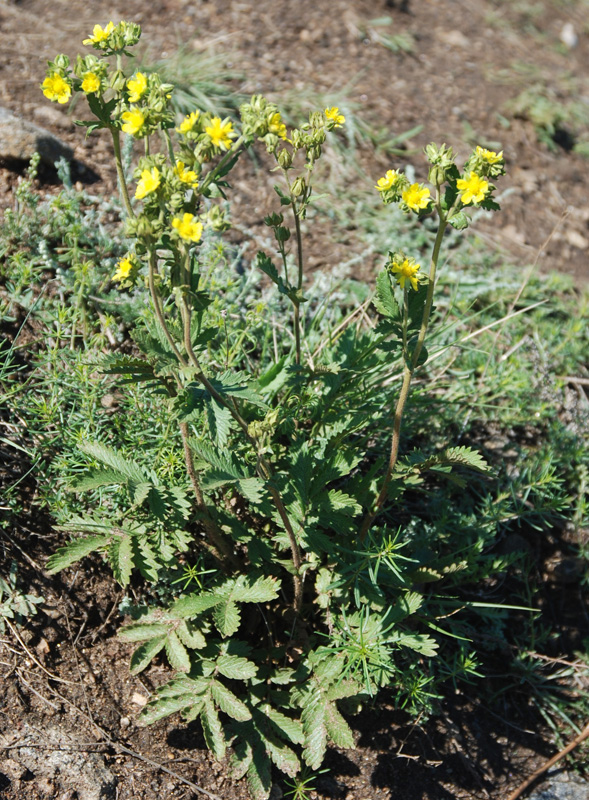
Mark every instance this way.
x=304 y=584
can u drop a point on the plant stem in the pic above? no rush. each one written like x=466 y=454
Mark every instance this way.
x=158 y=309
x=227 y=157
x=218 y=546
x=116 y=141
x=408 y=372
x=297 y=313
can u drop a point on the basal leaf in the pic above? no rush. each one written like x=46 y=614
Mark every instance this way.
x=121 y=558
x=177 y=653
x=212 y=728
x=229 y=703
x=337 y=728
x=227 y=617
x=236 y=667
x=142 y=631
x=74 y=551
x=145 y=653
x=190 y=636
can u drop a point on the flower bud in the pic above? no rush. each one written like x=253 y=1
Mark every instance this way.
x=299 y=187
x=273 y=220
x=281 y=234
x=285 y=158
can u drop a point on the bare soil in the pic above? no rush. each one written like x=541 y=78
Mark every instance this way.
x=64 y=677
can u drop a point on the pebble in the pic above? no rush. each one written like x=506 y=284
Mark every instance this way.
x=562 y=786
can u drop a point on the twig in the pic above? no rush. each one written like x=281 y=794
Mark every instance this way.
x=34 y=691
x=38 y=663
x=573 y=379
x=541 y=770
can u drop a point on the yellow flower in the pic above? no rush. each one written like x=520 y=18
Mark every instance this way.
x=220 y=133
x=150 y=180
x=56 y=88
x=391 y=178
x=99 y=35
x=416 y=197
x=188 y=122
x=407 y=271
x=277 y=126
x=473 y=190
x=334 y=115
x=188 y=229
x=186 y=175
x=91 y=83
x=134 y=121
x=137 y=87
x=489 y=155
x=124 y=269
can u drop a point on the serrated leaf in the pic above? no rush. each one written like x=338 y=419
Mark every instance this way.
x=248 y=589
x=97 y=478
x=314 y=728
x=227 y=617
x=236 y=667
x=337 y=728
x=113 y=459
x=145 y=558
x=194 y=604
x=259 y=776
x=74 y=551
x=177 y=653
x=281 y=754
x=229 y=703
x=420 y=642
x=384 y=298
x=162 y=707
x=190 y=636
x=241 y=758
x=141 y=631
x=121 y=558
x=287 y=726
x=212 y=729
x=142 y=657
x=219 y=418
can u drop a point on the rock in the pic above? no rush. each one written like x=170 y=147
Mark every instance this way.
x=562 y=786
x=568 y=35
x=577 y=240
x=59 y=760
x=19 y=139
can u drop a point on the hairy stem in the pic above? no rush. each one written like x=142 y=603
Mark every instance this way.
x=158 y=309
x=408 y=372
x=116 y=141
x=218 y=545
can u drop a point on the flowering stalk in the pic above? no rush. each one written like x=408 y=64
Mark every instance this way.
x=116 y=141
x=411 y=363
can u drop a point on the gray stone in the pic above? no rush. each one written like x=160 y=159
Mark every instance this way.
x=19 y=139
x=561 y=786
x=61 y=759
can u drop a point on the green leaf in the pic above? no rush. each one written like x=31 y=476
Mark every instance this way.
x=177 y=653
x=97 y=478
x=121 y=558
x=145 y=558
x=227 y=617
x=459 y=220
x=113 y=459
x=145 y=653
x=194 y=604
x=229 y=703
x=315 y=730
x=236 y=667
x=219 y=418
x=141 y=631
x=337 y=728
x=259 y=776
x=212 y=729
x=74 y=551
x=163 y=707
x=190 y=636
x=384 y=298
x=251 y=589
x=420 y=642
x=292 y=728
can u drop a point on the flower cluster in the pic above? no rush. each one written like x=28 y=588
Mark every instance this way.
x=114 y=39
x=473 y=187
